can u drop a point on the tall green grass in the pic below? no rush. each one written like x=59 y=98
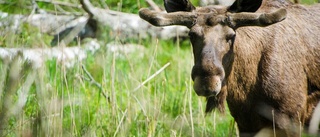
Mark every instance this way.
x=106 y=94
x=66 y=102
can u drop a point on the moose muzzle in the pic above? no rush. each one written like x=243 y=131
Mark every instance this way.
x=207 y=86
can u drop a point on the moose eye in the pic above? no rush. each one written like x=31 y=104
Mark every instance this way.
x=230 y=38
x=195 y=31
x=193 y=34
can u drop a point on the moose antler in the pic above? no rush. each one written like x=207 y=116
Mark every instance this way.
x=165 y=19
x=236 y=20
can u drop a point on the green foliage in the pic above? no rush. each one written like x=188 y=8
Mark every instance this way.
x=45 y=5
x=29 y=36
x=68 y=104
x=132 y=6
x=15 y=6
x=310 y=1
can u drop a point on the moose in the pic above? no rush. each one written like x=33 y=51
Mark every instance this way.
x=262 y=57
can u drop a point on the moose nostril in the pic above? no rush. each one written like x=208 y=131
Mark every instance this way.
x=208 y=68
x=198 y=70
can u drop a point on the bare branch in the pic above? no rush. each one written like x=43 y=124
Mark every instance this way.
x=123 y=25
x=131 y=25
x=37 y=56
x=73 y=33
x=104 y=5
x=58 y=13
x=61 y=3
x=88 y=7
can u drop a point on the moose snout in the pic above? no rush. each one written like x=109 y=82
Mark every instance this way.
x=207 y=82
x=207 y=86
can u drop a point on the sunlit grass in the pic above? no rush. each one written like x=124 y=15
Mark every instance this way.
x=64 y=102
x=309 y=1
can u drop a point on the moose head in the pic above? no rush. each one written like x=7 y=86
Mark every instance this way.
x=212 y=34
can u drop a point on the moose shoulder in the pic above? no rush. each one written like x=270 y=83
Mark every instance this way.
x=262 y=57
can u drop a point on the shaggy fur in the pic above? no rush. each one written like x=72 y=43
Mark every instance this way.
x=276 y=68
x=269 y=75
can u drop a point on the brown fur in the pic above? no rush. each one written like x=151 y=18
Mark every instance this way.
x=278 y=66
x=270 y=75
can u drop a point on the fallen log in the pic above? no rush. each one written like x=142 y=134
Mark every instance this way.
x=216 y=2
x=122 y=25
x=131 y=25
x=68 y=56
x=47 y=23
x=37 y=56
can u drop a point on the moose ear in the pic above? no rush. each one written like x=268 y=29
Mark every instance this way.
x=178 y=5
x=245 y=6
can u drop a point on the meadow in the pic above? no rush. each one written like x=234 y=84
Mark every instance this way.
x=141 y=99
x=145 y=92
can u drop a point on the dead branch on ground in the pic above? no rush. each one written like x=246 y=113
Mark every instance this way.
x=131 y=25
x=37 y=56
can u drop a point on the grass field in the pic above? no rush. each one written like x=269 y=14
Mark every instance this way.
x=147 y=92
x=63 y=102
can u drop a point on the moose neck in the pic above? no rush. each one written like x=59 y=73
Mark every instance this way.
x=242 y=69
x=241 y=63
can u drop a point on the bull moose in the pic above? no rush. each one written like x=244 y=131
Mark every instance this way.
x=261 y=56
